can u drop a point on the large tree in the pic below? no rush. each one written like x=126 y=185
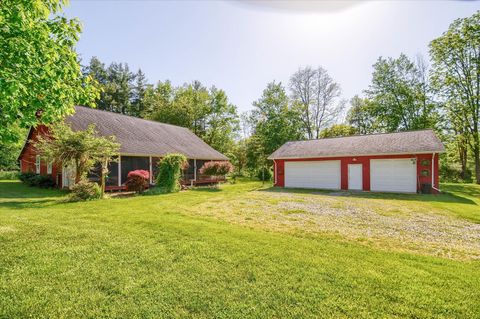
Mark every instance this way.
x=400 y=95
x=40 y=76
x=360 y=115
x=316 y=94
x=456 y=76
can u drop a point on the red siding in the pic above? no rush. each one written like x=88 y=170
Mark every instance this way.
x=28 y=156
x=279 y=168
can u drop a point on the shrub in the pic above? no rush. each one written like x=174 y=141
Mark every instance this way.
x=9 y=175
x=216 y=168
x=137 y=180
x=32 y=179
x=264 y=174
x=85 y=190
x=27 y=177
x=170 y=172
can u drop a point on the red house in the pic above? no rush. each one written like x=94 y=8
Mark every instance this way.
x=142 y=144
x=404 y=162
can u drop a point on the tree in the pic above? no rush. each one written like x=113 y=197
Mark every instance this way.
x=40 y=76
x=138 y=94
x=399 y=95
x=338 y=130
x=273 y=123
x=456 y=77
x=222 y=121
x=361 y=115
x=10 y=150
x=316 y=94
x=83 y=149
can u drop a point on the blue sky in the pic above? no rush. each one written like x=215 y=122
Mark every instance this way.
x=240 y=47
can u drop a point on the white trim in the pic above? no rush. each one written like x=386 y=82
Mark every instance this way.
x=194 y=169
x=119 y=170
x=49 y=167
x=38 y=164
x=433 y=174
x=356 y=155
x=150 y=167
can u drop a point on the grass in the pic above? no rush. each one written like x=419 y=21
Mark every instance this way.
x=167 y=256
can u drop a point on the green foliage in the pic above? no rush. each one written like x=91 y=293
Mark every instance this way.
x=400 y=97
x=82 y=149
x=9 y=175
x=85 y=190
x=265 y=174
x=170 y=172
x=206 y=112
x=456 y=77
x=40 y=77
x=338 y=130
x=10 y=150
x=36 y=180
x=273 y=123
x=360 y=115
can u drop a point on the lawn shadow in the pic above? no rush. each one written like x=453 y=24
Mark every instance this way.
x=16 y=195
x=446 y=196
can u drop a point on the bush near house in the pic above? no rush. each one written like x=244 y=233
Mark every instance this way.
x=137 y=180
x=36 y=180
x=9 y=175
x=85 y=190
x=265 y=174
x=170 y=171
x=216 y=168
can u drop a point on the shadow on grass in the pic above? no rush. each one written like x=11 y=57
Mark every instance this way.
x=446 y=197
x=15 y=195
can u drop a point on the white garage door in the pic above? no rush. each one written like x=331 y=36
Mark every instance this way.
x=321 y=174
x=393 y=175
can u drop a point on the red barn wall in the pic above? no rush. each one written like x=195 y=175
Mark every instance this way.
x=279 y=168
x=29 y=153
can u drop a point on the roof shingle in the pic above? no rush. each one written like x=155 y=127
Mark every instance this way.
x=410 y=142
x=143 y=137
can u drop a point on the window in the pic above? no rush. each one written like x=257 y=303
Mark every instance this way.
x=37 y=164
x=49 y=167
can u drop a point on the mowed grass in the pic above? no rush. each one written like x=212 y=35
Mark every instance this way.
x=157 y=257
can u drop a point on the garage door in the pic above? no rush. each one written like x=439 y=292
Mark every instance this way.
x=321 y=174
x=393 y=175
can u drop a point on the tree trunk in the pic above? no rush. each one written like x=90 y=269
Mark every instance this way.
x=476 y=155
x=463 y=155
x=104 y=169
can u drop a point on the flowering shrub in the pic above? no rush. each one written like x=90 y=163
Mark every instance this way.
x=216 y=168
x=137 y=180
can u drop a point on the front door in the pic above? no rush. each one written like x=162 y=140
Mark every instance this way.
x=355 y=177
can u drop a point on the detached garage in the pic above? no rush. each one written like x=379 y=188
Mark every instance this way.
x=404 y=162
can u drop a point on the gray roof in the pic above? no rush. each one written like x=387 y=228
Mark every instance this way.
x=411 y=142
x=143 y=137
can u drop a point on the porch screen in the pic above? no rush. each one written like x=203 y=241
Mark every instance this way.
x=131 y=163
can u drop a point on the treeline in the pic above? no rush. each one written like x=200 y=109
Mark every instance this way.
x=205 y=111
x=404 y=94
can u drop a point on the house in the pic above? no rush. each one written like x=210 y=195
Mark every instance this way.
x=142 y=144
x=404 y=162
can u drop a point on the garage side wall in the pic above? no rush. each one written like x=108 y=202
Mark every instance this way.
x=424 y=166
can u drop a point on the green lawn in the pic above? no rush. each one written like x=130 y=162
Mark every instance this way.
x=240 y=251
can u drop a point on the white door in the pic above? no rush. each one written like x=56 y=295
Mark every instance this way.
x=318 y=174
x=393 y=175
x=68 y=176
x=355 y=176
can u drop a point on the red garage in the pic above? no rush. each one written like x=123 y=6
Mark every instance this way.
x=405 y=162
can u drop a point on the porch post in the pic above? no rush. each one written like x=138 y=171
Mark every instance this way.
x=150 y=164
x=119 y=170
x=195 y=169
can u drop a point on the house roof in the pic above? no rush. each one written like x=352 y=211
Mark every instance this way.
x=411 y=142
x=143 y=137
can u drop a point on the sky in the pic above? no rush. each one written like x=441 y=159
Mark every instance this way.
x=241 y=46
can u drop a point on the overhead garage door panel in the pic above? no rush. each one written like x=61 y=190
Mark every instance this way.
x=393 y=175
x=310 y=174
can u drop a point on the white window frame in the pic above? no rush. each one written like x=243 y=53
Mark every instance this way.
x=37 y=164
x=49 y=167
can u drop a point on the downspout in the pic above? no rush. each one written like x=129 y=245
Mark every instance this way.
x=433 y=174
